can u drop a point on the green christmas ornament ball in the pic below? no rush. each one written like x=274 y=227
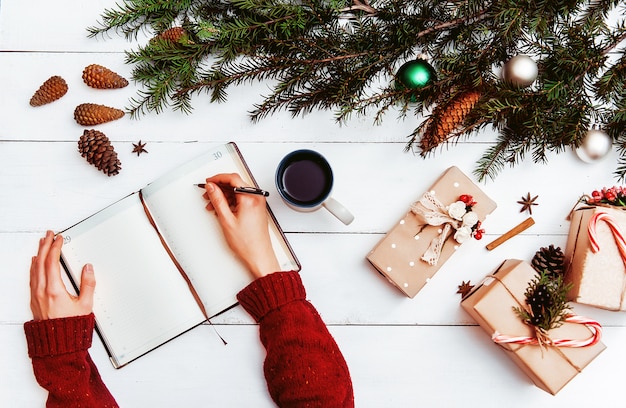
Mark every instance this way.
x=416 y=74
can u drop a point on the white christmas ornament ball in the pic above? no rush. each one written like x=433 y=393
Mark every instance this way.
x=520 y=70
x=596 y=145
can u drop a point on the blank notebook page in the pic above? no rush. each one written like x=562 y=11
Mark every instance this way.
x=141 y=299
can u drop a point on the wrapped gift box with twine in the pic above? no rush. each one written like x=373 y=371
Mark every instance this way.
x=550 y=360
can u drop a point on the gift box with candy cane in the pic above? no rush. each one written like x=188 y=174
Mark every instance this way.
x=448 y=214
x=595 y=255
x=527 y=315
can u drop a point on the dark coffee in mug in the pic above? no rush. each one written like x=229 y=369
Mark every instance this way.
x=304 y=178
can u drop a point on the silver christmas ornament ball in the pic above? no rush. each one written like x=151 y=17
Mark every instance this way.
x=520 y=71
x=596 y=145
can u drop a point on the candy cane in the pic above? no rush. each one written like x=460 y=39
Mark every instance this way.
x=593 y=325
x=615 y=229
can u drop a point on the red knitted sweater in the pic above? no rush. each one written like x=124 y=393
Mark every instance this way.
x=303 y=367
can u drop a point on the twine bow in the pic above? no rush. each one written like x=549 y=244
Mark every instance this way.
x=434 y=212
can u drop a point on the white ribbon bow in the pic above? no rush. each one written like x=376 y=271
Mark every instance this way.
x=434 y=212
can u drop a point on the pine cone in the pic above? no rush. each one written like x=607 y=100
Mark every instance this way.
x=445 y=119
x=99 y=77
x=89 y=114
x=174 y=34
x=51 y=90
x=550 y=259
x=94 y=146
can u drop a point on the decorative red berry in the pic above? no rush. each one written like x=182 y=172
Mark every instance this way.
x=466 y=198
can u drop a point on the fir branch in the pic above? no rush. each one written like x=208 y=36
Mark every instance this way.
x=131 y=16
x=493 y=160
x=315 y=60
x=546 y=298
x=453 y=23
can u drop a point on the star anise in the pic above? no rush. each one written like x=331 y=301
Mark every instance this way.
x=139 y=148
x=465 y=288
x=527 y=203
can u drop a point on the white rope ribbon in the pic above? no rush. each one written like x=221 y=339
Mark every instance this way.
x=434 y=212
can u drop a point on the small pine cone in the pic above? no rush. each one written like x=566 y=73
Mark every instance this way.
x=174 y=34
x=51 y=90
x=94 y=146
x=550 y=259
x=445 y=119
x=89 y=114
x=99 y=77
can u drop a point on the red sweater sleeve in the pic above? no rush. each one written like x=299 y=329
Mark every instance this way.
x=304 y=366
x=62 y=365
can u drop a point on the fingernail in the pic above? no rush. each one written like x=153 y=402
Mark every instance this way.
x=210 y=187
x=89 y=268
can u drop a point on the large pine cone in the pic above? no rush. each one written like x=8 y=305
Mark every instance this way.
x=550 y=260
x=445 y=119
x=94 y=146
x=89 y=114
x=51 y=90
x=99 y=77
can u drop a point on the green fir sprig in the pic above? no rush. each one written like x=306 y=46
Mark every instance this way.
x=342 y=55
x=546 y=300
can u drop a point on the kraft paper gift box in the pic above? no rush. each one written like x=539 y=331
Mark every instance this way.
x=398 y=256
x=491 y=303
x=598 y=278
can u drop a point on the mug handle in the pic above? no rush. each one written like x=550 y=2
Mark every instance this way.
x=338 y=210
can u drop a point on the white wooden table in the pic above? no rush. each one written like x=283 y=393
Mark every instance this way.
x=401 y=352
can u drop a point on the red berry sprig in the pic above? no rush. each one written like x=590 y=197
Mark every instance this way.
x=615 y=195
x=468 y=200
x=478 y=232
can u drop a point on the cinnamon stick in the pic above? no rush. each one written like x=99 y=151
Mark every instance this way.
x=511 y=233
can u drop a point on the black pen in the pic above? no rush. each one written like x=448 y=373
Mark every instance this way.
x=245 y=190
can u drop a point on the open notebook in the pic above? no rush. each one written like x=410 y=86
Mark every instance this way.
x=162 y=265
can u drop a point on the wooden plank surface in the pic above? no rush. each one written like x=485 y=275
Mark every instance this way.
x=402 y=352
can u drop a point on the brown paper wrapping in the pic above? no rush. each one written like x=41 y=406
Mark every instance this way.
x=398 y=255
x=598 y=279
x=491 y=304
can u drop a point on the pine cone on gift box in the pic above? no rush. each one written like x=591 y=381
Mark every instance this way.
x=94 y=146
x=89 y=114
x=51 y=90
x=550 y=260
x=99 y=77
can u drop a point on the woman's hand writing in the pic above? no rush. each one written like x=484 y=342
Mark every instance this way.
x=244 y=221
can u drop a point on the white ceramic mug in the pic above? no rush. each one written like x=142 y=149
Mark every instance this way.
x=304 y=180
